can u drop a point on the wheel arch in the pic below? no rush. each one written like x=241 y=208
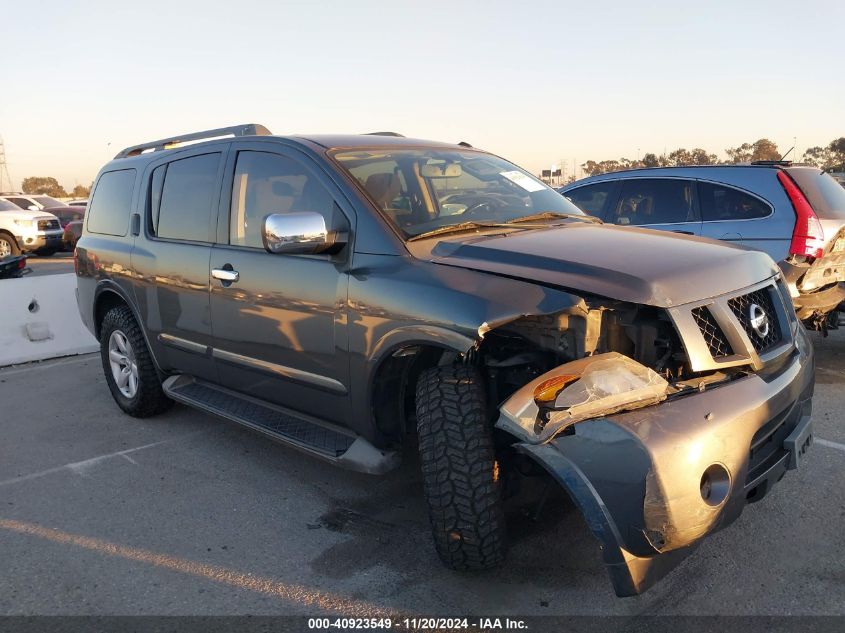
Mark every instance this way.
x=7 y=233
x=109 y=295
x=397 y=360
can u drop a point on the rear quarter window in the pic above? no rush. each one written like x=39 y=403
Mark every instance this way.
x=825 y=194
x=108 y=212
x=721 y=203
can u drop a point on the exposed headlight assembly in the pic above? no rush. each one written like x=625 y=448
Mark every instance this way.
x=586 y=388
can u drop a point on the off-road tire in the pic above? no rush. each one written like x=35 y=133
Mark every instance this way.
x=460 y=472
x=150 y=399
x=12 y=242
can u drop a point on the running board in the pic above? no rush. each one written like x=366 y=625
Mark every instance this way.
x=333 y=444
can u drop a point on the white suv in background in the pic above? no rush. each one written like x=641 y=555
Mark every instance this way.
x=23 y=230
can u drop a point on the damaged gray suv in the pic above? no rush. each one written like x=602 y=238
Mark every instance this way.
x=347 y=294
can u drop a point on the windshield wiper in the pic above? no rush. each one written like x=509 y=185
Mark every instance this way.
x=463 y=226
x=554 y=215
x=507 y=224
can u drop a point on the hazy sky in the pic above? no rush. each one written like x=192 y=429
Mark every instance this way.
x=532 y=81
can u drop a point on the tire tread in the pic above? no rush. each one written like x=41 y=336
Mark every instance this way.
x=458 y=462
x=150 y=399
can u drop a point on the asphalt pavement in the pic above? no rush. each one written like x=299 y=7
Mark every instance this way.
x=187 y=514
x=56 y=264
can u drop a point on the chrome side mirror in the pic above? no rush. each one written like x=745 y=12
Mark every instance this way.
x=303 y=233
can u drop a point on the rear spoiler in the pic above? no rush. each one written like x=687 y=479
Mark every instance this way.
x=248 y=129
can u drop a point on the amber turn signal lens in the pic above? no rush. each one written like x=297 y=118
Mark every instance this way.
x=547 y=390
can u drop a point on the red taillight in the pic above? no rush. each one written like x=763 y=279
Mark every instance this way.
x=808 y=236
x=22 y=263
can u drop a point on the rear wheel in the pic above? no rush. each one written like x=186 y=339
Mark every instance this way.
x=8 y=245
x=460 y=471
x=130 y=373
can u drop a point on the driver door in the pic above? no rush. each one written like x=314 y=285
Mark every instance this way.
x=279 y=327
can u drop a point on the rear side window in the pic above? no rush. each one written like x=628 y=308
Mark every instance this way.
x=720 y=203
x=644 y=201
x=21 y=202
x=825 y=194
x=108 y=212
x=592 y=198
x=190 y=186
x=47 y=201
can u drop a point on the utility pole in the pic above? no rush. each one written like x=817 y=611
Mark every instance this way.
x=5 y=178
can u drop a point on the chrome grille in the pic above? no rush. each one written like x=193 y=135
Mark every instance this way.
x=712 y=333
x=48 y=225
x=741 y=307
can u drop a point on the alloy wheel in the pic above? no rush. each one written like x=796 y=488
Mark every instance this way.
x=124 y=367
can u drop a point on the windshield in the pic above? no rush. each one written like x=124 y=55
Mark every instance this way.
x=422 y=190
x=5 y=205
x=47 y=201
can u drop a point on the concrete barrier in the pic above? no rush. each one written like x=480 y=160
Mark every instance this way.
x=39 y=320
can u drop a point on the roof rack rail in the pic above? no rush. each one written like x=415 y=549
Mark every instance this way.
x=782 y=163
x=248 y=129
x=385 y=134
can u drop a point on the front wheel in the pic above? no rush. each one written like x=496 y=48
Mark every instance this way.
x=8 y=246
x=128 y=366
x=459 y=467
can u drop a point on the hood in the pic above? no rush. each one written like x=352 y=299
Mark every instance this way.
x=26 y=214
x=655 y=268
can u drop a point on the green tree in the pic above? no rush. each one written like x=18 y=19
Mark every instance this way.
x=679 y=158
x=80 y=191
x=651 y=160
x=46 y=185
x=700 y=156
x=831 y=157
x=741 y=154
x=762 y=149
x=818 y=157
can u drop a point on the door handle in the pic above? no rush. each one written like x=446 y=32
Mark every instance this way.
x=684 y=232
x=224 y=275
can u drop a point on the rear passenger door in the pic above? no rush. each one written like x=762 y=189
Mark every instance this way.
x=171 y=258
x=666 y=204
x=733 y=215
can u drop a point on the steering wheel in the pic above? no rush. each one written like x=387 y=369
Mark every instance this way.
x=487 y=204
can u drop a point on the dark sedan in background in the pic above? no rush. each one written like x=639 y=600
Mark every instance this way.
x=70 y=217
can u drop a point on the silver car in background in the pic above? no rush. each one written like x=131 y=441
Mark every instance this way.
x=795 y=214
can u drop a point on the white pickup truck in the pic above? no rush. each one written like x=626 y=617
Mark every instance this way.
x=25 y=231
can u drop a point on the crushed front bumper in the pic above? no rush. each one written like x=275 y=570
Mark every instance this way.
x=638 y=477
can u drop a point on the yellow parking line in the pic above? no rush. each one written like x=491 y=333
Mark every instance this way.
x=299 y=594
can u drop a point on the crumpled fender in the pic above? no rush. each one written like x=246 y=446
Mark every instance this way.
x=604 y=470
x=636 y=475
